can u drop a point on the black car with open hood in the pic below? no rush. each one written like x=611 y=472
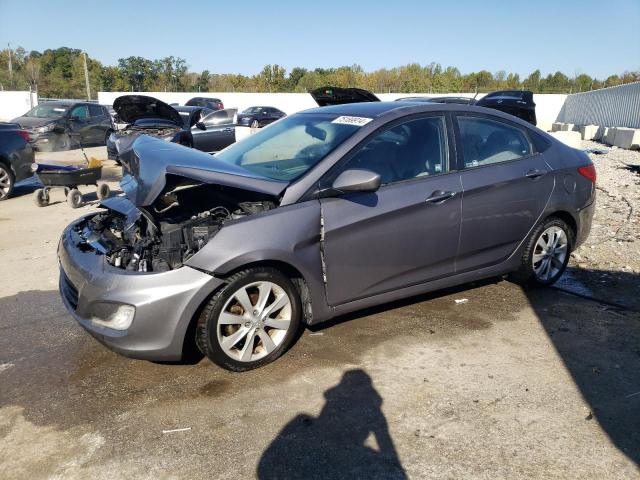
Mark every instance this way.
x=148 y=115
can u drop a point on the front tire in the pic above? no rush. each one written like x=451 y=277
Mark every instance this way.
x=74 y=198
x=547 y=253
x=255 y=124
x=251 y=321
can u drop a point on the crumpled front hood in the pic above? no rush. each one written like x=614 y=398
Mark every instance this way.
x=150 y=160
x=130 y=108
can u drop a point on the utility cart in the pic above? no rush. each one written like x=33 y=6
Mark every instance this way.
x=69 y=178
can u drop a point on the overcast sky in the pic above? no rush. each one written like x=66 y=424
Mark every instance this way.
x=594 y=37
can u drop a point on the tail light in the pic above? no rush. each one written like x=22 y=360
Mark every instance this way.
x=221 y=106
x=24 y=134
x=588 y=172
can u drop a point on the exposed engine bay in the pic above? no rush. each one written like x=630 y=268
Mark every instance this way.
x=156 y=131
x=177 y=225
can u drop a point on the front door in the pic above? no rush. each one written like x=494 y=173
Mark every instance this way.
x=219 y=133
x=407 y=232
x=506 y=186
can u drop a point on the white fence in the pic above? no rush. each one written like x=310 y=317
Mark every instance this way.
x=547 y=105
x=14 y=104
x=609 y=107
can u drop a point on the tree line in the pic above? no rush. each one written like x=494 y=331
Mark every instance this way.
x=59 y=73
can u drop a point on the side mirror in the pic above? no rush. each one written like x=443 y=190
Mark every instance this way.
x=356 y=180
x=201 y=126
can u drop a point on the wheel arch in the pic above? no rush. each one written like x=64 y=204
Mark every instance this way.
x=190 y=350
x=566 y=217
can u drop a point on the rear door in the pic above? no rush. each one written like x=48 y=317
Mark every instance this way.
x=80 y=126
x=98 y=125
x=407 y=232
x=506 y=185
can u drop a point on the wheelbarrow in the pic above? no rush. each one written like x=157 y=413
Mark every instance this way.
x=69 y=178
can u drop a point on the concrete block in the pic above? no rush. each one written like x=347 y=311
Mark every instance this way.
x=628 y=138
x=544 y=125
x=588 y=132
x=567 y=127
x=609 y=135
x=556 y=126
x=568 y=138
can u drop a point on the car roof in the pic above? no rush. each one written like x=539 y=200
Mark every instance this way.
x=400 y=108
x=188 y=108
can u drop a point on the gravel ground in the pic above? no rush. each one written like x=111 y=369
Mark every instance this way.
x=511 y=383
x=608 y=264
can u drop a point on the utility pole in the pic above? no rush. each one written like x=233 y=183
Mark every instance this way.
x=10 y=67
x=86 y=75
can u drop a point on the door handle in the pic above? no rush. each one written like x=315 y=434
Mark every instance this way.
x=533 y=174
x=439 y=196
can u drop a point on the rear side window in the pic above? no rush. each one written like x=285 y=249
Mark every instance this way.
x=485 y=141
x=409 y=150
x=81 y=112
x=95 y=110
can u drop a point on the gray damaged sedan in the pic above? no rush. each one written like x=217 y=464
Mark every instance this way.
x=322 y=213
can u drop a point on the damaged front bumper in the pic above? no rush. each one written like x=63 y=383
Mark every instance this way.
x=159 y=306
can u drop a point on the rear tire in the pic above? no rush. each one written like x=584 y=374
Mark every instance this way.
x=74 y=198
x=257 y=305
x=7 y=182
x=546 y=254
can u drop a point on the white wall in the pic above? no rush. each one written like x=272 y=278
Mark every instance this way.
x=547 y=105
x=14 y=104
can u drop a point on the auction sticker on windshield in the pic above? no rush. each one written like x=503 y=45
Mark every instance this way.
x=356 y=121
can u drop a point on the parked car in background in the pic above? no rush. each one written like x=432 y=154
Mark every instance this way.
x=258 y=117
x=16 y=157
x=325 y=212
x=142 y=114
x=212 y=103
x=325 y=96
x=62 y=125
x=518 y=103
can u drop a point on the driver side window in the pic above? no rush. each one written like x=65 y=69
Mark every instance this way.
x=409 y=150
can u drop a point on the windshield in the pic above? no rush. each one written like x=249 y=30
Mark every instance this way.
x=252 y=110
x=290 y=147
x=47 y=111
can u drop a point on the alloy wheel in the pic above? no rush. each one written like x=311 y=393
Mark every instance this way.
x=550 y=253
x=254 y=321
x=6 y=182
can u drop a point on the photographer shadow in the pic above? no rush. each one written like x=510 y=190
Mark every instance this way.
x=348 y=439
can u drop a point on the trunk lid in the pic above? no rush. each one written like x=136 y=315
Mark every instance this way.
x=325 y=96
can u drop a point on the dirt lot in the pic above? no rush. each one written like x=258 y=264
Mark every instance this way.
x=511 y=384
